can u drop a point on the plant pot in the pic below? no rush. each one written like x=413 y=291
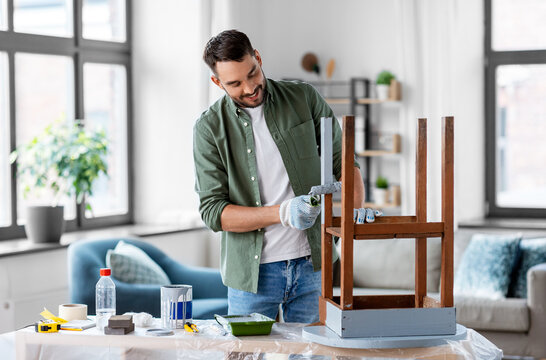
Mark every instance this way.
x=380 y=196
x=45 y=224
x=382 y=91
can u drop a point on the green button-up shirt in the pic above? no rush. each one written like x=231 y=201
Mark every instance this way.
x=226 y=170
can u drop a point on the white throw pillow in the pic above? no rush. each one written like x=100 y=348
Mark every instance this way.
x=132 y=265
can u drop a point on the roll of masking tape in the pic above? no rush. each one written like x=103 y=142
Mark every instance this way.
x=73 y=312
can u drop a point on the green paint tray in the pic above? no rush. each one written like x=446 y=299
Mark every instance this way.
x=241 y=325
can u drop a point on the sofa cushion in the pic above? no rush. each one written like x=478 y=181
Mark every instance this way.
x=532 y=252
x=486 y=266
x=391 y=263
x=487 y=314
x=132 y=265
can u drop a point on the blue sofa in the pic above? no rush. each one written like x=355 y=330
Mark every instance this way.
x=86 y=257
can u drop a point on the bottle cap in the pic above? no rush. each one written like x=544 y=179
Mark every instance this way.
x=105 y=272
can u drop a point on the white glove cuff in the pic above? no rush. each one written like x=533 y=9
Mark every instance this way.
x=284 y=213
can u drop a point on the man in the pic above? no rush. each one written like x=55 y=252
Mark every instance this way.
x=256 y=153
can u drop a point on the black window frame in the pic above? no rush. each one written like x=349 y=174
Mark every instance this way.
x=82 y=51
x=494 y=59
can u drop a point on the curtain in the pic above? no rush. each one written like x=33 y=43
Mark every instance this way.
x=429 y=42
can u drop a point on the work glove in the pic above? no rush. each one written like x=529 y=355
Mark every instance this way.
x=326 y=189
x=365 y=215
x=361 y=216
x=299 y=212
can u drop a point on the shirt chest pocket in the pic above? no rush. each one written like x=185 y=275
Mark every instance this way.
x=304 y=139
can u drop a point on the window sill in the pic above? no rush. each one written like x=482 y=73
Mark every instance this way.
x=25 y=246
x=505 y=223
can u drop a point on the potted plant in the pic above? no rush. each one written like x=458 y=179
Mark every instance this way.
x=383 y=83
x=381 y=191
x=64 y=159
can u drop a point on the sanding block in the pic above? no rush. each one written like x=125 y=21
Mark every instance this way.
x=120 y=321
x=119 y=331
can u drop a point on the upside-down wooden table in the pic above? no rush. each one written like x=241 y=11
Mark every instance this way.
x=361 y=316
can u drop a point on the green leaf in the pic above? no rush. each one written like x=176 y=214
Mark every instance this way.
x=384 y=77
x=381 y=183
x=26 y=191
x=64 y=151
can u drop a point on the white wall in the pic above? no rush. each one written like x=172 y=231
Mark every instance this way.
x=168 y=98
x=363 y=36
x=358 y=34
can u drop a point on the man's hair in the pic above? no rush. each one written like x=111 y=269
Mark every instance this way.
x=229 y=45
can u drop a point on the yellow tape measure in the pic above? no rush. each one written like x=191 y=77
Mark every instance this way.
x=47 y=326
x=51 y=323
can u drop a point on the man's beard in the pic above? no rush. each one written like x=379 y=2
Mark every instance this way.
x=240 y=101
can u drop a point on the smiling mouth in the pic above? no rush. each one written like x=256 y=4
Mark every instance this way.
x=254 y=95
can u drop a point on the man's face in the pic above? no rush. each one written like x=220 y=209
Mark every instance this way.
x=243 y=81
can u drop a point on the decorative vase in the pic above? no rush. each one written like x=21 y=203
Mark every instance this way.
x=382 y=91
x=44 y=224
x=396 y=196
x=395 y=90
x=380 y=196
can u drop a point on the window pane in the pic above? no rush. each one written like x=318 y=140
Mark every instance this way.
x=518 y=25
x=3 y=15
x=521 y=130
x=43 y=17
x=5 y=185
x=44 y=93
x=104 y=20
x=105 y=102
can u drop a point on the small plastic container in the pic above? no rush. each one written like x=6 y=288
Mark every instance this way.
x=241 y=325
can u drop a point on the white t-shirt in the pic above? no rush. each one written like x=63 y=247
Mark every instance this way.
x=280 y=243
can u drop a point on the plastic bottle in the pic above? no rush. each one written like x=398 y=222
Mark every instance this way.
x=105 y=299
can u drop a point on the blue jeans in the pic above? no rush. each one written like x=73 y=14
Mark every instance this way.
x=292 y=283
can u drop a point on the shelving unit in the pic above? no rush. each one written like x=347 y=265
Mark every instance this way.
x=359 y=100
x=395 y=149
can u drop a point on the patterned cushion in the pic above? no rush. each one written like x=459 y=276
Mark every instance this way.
x=132 y=265
x=533 y=252
x=486 y=266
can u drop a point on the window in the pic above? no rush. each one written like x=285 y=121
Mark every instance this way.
x=44 y=92
x=65 y=59
x=5 y=182
x=105 y=102
x=104 y=20
x=518 y=25
x=3 y=13
x=44 y=17
x=515 y=51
